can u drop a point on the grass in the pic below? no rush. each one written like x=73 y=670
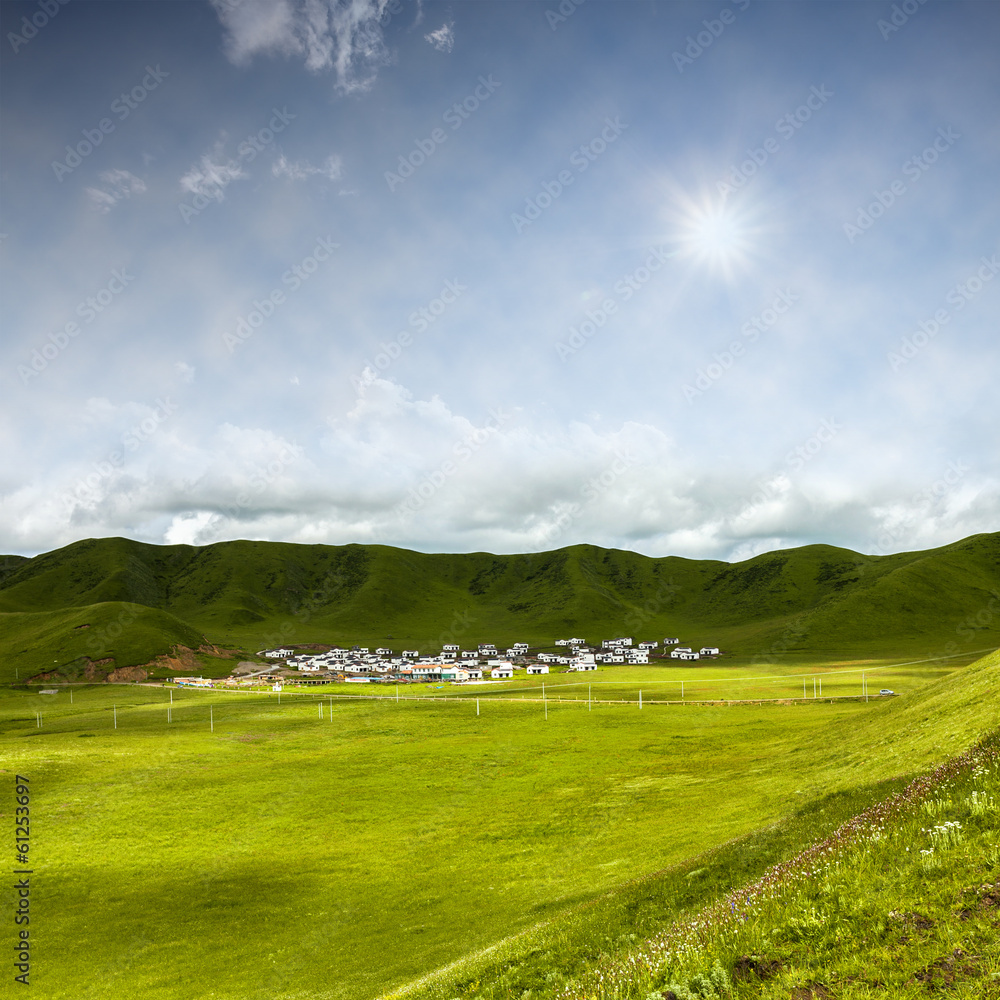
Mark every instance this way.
x=904 y=900
x=658 y=931
x=285 y=855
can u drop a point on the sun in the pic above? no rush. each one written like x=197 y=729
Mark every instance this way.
x=715 y=234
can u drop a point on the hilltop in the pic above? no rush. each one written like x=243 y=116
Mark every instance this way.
x=127 y=602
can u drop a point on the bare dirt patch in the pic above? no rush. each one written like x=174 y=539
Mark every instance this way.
x=183 y=659
x=811 y=991
x=126 y=674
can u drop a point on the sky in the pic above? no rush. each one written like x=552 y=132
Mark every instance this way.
x=697 y=279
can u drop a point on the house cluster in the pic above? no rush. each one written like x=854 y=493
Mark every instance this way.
x=360 y=664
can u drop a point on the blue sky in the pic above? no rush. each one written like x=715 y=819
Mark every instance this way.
x=696 y=279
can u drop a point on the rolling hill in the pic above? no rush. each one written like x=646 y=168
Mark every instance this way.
x=126 y=602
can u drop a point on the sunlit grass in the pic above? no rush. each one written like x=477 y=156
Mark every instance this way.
x=291 y=854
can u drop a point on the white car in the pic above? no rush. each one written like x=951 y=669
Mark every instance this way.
x=886 y=691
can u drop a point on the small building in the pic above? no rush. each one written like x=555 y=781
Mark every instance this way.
x=382 y=651
x=538 y=668
x=670 y=642
x=410 y=654
x=282 y=653
x=502 y=673
x=584 y=665
x=709 y=650
x=475 y=673
x=688 y=656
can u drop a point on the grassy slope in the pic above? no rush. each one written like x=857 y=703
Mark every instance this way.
x=873 y=758
x=815 y=601
x=64 y=640
x=284 y=856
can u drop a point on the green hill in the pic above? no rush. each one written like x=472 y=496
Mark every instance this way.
x=817 y=600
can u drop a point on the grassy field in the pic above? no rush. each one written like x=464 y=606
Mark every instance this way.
x=285 y=854
x=713 y=681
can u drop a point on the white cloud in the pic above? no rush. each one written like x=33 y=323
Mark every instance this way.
x=185 y=529
x=413 y=472
x=443 y=39
x=212 y=174
x=184 y=371
x=342 y=35
x=119 y=184
x=331 y=168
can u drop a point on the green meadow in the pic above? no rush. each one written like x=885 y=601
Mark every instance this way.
x=324 y=847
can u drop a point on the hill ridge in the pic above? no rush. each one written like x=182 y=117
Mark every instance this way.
x=810 y=600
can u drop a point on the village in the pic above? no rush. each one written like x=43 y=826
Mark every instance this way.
x=483 y=665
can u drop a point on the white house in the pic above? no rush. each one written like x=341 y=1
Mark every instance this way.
x=475 y=673
x=409 y=654
x=382 y=651
x=688 y=656
x=516 y=651
x=709 y=650
x=670 y=642
x=637 y=656
x=449 y=654
x=502 y=673
x=282 y=653
x=468 y=654
x=584 y=665
x=648 y=645
x=538 y=668
x=616 y=643
x=520 y=645
x=455 y=673
x=451 y=648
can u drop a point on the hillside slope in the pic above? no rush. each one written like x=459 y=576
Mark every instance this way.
x=815 y=600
